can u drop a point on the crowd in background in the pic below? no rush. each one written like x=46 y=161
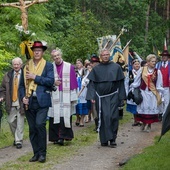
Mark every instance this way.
x=94 y=90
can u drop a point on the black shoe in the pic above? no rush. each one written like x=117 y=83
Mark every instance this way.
x=34 y=159
x=14 y=144
x=120 y=117
x=77 y=124
x=136 y=124
x=160 y=117
x=113 y=144
x=55 y=142
x=18 y=145
x=42 y=159
x=61 y=142
x=96 y=130
x=104 y=144
x=81 y=125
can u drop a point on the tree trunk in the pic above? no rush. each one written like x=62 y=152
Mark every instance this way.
x=147 y=23
x=155 y=6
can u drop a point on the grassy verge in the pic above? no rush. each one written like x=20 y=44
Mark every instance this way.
x=55 y=153
x=6 y=138
x=154 y=157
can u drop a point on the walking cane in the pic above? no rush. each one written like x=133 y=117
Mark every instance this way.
x=27 y=84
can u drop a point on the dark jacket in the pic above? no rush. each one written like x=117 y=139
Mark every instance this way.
x=6 y=91
x=44 y=85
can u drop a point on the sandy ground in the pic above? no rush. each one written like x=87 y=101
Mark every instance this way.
x=130 y=142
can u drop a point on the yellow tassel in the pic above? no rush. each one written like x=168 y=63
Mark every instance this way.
x=22 y=47
x=27 y=44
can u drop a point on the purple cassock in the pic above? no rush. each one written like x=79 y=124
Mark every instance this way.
x=73 y=80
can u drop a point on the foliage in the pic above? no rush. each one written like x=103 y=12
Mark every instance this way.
x=80 y=38
x=74 y=25
x=5 y=59
x=24 y=35
x=37 y=20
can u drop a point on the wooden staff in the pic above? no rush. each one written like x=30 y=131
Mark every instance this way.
x=26 y=84
x=106 y=44
x=121 y=32
x=23 y=6
x=127 y=45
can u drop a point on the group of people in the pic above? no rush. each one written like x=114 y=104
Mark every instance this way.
x=152 y=79
x=58 y=90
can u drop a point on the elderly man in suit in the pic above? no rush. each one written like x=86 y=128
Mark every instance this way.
x=35 y=90
x=14 y=107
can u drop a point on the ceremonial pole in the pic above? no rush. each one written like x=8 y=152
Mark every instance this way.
x=23 y=6
x=121 y=32
x=127 y=44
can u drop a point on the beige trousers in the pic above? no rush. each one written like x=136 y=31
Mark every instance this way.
x=16 y=123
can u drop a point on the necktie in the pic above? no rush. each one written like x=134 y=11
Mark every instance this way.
x=164 y=64
x=15 y=88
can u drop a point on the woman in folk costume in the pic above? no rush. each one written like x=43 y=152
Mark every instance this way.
x=81 y=107
x=131 y=105
x=64 y=100
x=149 y=79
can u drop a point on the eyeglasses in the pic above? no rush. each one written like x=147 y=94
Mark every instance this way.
x=35 y=51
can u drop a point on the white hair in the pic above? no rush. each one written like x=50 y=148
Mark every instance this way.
x=57 y=50
x=17 y=59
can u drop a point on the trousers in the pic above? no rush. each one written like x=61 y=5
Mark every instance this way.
x=37 y=117
x=16 y=123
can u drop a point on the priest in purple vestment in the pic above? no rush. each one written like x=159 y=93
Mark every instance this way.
x=64 y=100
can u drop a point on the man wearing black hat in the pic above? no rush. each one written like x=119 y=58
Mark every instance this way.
x=164 y=67
x=35 y=88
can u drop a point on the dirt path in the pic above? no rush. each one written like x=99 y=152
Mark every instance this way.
x=130 y=141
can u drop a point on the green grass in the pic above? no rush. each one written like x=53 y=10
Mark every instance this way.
x=55 y=153
x=6 y=138
x=154 y=157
